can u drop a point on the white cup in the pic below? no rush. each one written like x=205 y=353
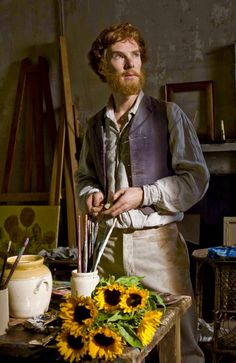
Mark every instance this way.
x=4 y=311
x=83 y=283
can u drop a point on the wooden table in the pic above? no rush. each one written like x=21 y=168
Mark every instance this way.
x=19 y=342
x=167 y=336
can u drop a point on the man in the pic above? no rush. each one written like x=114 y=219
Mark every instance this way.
x=142 y=164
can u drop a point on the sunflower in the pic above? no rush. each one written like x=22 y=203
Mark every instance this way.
x=77 y=313
x=119 y=313
x=72 y=347
x=134 y=299
x=109 y=297
x=149 y=323
x=104 y=343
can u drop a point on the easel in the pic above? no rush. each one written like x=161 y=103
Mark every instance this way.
x=34 y=113
x=34 y=105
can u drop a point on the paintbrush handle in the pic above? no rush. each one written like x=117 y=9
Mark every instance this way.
x=3 y=268
x=15 y=263
x=5 y=262
x=79 y=258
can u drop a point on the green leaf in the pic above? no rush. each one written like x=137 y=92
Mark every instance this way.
x=120 y=316
x=130 y=280
x=104 y=281
x=101 y=317
x=131 y=338
x=117 y=316
x=156 y=299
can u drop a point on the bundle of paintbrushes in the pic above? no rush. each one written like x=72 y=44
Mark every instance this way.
x=87 y=234
x=90 y=249
x=101 y=246
x=4 y=282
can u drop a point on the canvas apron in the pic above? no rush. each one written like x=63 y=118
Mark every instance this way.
x=159 y=255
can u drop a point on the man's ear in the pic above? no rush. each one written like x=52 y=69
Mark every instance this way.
x=102 y=69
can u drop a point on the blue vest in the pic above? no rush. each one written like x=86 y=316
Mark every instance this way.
x=150 y=156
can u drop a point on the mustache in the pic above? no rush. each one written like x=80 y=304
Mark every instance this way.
x=130 y=73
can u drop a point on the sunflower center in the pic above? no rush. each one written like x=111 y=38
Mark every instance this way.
x=112 y=297
x=81 y=313
x=134 y=300
x=75 y=343
x=103 y=340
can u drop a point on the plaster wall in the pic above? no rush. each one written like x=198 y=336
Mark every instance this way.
x=188 y=41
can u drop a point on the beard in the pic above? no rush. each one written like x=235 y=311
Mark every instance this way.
x=126 y=87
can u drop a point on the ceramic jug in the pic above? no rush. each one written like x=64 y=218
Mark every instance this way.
x=30 y=286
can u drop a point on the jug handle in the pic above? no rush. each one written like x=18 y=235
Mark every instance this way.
x=36 y=290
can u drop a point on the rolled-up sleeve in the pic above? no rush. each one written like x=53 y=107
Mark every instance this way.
x=179 y=192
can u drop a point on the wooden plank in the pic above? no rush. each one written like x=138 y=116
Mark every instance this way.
x=56 y=178
x=70 y=205
x=38 y=122
x=78 y=141
x=28 y=140
x=71 y=134
x=71 y=164
x=15 y=125
x=24 y=197
x=49 y=114
x=177 y=340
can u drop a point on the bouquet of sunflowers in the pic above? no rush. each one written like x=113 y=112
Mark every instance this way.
x=119 y=313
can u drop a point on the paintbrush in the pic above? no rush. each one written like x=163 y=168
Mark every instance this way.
x=79 y=258
x=102 y=246
x=5 y=262
x=93 y=236
x=85 y=245
x=15 y=263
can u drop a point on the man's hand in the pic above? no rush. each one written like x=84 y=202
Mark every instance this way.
x=124 y=200
x=95 y=203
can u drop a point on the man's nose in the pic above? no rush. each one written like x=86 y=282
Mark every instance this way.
x=129 y=63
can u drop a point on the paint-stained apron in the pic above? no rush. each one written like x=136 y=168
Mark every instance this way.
x=161 y=257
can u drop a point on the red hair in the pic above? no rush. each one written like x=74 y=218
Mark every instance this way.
x=109 y=36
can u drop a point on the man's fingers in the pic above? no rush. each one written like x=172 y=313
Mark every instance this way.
x=117 y=208
x=124 y=200
x=89 y=202
x=94 y=203
x=118 y=194
x=97 y=199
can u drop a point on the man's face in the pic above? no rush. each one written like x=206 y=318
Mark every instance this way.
x=123 y=68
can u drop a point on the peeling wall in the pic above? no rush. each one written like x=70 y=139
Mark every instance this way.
x=188 y=41
x=28 y=29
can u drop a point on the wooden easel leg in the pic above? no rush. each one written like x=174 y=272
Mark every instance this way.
x=58 y=162
x=70 y=206
x=15 y=124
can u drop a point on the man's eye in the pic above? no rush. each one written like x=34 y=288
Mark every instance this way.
x=117 y=56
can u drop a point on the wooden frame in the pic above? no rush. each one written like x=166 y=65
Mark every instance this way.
x=229 y=231
x=196 y=100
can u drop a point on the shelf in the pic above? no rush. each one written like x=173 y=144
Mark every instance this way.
x=224 y=146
